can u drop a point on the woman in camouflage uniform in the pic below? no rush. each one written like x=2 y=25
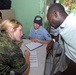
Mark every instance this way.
x=11 y=57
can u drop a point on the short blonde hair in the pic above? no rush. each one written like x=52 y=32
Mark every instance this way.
x=9 y=22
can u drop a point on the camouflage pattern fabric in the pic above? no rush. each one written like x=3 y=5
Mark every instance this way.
x=11 y=57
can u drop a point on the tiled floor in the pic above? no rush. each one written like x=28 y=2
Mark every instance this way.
x=49 y=63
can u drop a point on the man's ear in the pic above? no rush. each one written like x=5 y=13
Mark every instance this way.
x=55 y=13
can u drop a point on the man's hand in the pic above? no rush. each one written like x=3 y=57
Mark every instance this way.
x=49 y=47
x=35 y=40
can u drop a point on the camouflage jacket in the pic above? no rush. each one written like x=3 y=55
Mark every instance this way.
x=11 y=57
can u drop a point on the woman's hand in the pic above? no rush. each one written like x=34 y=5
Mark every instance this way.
x=27 y=53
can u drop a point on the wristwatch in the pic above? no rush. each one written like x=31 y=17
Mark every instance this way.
x=53 y=40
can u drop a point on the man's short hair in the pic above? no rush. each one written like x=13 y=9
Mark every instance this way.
x=56 y=7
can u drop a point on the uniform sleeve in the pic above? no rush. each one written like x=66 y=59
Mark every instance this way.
x=47 y=35
x=12 y=60
x=18 y=63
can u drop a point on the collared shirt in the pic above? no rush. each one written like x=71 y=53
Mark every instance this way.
x=68 y=32
x=54 y=31
x=40 y=33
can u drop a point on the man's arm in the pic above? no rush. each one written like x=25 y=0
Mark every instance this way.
x=42 y=41
x=50 y=45
x=39 y=40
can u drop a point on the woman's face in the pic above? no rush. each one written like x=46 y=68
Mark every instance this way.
x=18 y=33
